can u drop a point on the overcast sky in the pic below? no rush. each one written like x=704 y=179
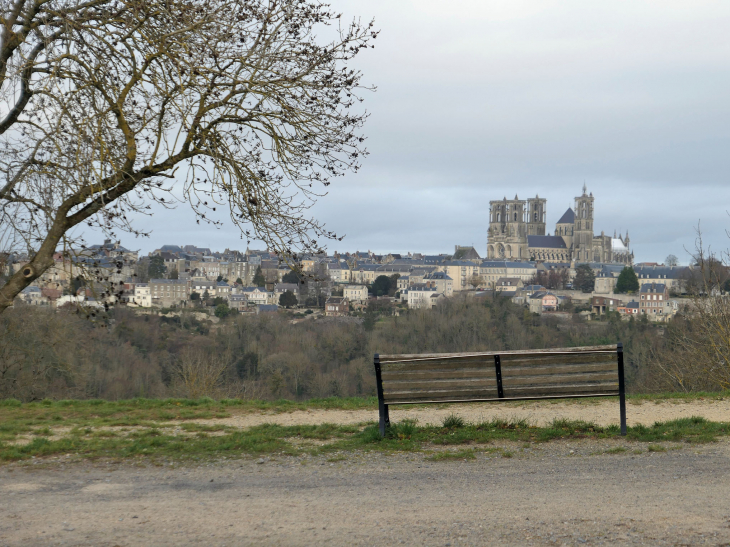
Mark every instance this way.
x=485 y=99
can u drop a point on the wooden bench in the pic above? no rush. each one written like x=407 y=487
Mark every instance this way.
x=594 y=371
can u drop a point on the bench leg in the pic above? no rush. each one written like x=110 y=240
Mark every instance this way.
x=384 y=418
x=382 y=407
x=621 y=388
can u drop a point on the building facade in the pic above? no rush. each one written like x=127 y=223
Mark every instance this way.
x=169 y=292
x=654 y=301
x=336 y=306
x=355 y=293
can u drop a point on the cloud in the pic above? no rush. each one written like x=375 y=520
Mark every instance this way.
x=478 y=100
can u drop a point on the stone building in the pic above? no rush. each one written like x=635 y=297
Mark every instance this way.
x=517 y=232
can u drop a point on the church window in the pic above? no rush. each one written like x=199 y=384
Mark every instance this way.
x=515 y=217
x=535 y=217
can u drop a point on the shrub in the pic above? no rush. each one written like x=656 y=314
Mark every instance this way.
x=452 y=421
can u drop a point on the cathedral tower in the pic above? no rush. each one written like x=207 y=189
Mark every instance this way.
x=583 y=227
x=507 y=237
x=536 y=216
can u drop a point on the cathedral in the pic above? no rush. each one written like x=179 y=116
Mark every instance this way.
x=517 y=232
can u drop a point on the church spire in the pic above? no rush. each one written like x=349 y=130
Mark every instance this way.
x=584 y=188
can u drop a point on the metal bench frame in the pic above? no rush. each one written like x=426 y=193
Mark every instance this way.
x=496 y=357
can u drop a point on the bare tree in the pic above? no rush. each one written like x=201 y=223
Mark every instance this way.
x=699 y=342
x=231 y=105
x=671 y=260
x=476 y=281
x=201 y=373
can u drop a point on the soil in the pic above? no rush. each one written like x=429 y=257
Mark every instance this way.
x=565 y=492
x=603 y=412
x=557 y=493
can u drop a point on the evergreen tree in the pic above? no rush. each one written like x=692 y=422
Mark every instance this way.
x=174 y=274
x=290 y=277
x=585 y=279
x=222 y=310
x=157 y=268
x=258 y=279
x=381 y=285
x=627 y=281
x=287 y=299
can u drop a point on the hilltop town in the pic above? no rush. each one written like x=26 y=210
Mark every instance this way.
x=573 y=271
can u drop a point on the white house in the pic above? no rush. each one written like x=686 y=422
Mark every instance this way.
x=142 y=295
x=355 y=293
x=419 y=296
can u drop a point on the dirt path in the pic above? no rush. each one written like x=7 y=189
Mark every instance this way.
x=550 y=494
x=604 y=412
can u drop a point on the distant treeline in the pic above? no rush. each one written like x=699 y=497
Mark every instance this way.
x=48 y=354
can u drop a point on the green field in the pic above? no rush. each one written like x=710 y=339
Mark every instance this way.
x=170 y=429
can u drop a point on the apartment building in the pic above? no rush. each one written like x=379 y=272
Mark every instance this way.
x=441 y=282
x=654 y=300
x=169 y=292
x=461 y=272
x=492 y=270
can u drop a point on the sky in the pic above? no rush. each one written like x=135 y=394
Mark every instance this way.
x=478 y=100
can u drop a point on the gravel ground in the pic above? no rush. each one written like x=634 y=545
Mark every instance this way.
x=556 y=493
x=603 y=412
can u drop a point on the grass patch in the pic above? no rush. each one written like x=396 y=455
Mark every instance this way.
x=457 y=455
x=452 y=421
x=142 y=428
x=615 y=450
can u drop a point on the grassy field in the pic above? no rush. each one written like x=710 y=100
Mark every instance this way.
x=167 y=429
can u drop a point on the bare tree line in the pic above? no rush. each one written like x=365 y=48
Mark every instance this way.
x=61 y=355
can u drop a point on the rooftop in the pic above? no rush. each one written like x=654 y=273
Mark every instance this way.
x=568 y=217
x=546 y=242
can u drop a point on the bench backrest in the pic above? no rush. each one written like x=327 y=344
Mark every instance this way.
x=552 y=373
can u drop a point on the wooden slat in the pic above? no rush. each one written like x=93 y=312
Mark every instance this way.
x=466 y=399
x=440 y=384
x=437 y=365
x=554 y=390
x=558 y=379
x=439 y=394
x=509 y=371
x=558 y=359
x=495 y=399
x=484 y=372
x=384 y=358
